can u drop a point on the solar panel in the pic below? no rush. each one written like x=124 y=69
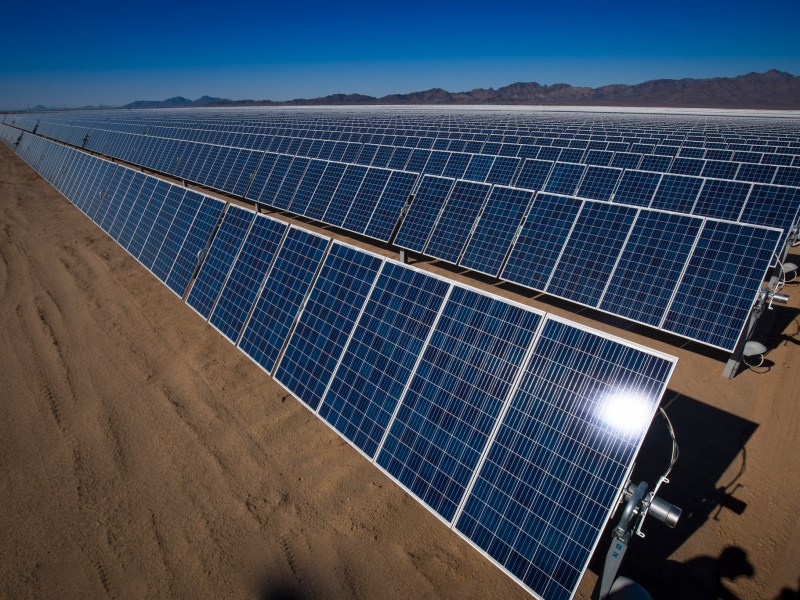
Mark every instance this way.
x=195 y=243
x=562 y=452
x=158 y=232
x=677 y=193
x=637 y=187
x=245 y=279
x=456 y=220
x=591 y=252
x=424 y=212
x=720 y=284
x=324 y=325
x=650 y=266
x=366 y=199
x=217 y=264
x=564 y=178
x=772 y=205
x=138 y=208
x=495 y=230
x=345 y=194
x=540 y=240
x=141 y=235
x=386 y=214
x=178 y=229
x=290 y=183
x=325 y=191
x=382 y=353
x=455 y=396
x=309 y=183
x=721 y=199
x=282 y=295
x=599 y=183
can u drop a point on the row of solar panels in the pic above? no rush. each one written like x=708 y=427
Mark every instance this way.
x=693 y=276
x=783 y=169
x=748 y=135
x=512 y=426
x=232 y=170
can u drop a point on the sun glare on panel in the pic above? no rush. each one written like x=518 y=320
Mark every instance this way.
x=626 y=412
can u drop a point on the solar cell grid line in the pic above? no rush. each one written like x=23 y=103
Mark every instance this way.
x=195 y=243
x=591 y=251
x=342 y=200
x=650 y=266
x=281 y=296
x=677 y=193
x=325 y=191
x=326 y=322
x=366 y=199
x=424 y=212
x=161 y=224
x=247 y=274
x=309 y=183
x=721 y=282
x=562 y=453
x=386 y=213
x=225 y=247
x=139 y=246
x=721 y=199
x=454 y=397
x=382 y=353
x=540 y=240
x=496 y=229
x=176 y=233
x=457 y=220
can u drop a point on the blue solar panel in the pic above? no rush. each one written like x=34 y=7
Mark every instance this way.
x=424 y=212
x=262 y=175
x=456 y=165
x=503 y=170
x=386 y=215
x=455 y=396
x=721 y=199
x=224 y=249
x=269 y=191
x=541 y=238
x=650 y=266
x=479 y=167
x=126 y=202
x=151 y=210
x=563 y=451
x=137 y=211
x=637 y=187
x=248 y=272
x=290 y=183
x=345 y=194
x=325 y=191
x=591 y=252
x=197 y=240
x=381 y=355
x=309 y=183
x=498 y=224
x=457 y=219
x=325 y=324
x=161 y=223
x=720 y=169
x=677 y=193
x=599 y=183
x=564 y=178
x=366 y=199
x=283 y=293
x=773 y=206
x=756 y=173
x=176 y=233
x=721 y=281
x=114 y=198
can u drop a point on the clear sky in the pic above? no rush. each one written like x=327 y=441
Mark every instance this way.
x=80 y=53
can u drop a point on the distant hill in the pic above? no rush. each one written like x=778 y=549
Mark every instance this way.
x=771 y=90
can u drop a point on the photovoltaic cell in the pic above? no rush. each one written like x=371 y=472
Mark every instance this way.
x=345 y=195
x=456 y=220
x=394 y=197
x=290 y=183
x=381 y=355
x=424 y=212
x=178 y=229
x=282 y=295
x=245 y=279
x=161 y=224
x=591 y=252
x=772 y=205
x=721 y=199
x=637 y=187
x=550 y=480
x=366 y=199
x=599 y=183
x=324 y=326
x=541 y=238
x=721 y=281
x=650 y=266
x=455 y=396
x=498 y=224
x=325 y=191
x=677 y=193
x=308 y=185
x=564 y=178
x=224 y=249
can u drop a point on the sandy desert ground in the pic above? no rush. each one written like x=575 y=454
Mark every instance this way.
x=142 y=456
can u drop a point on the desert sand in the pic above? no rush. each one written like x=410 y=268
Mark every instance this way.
x=142 y=456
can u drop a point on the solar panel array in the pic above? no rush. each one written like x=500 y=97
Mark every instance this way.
x=482 y=181
x=512 y=426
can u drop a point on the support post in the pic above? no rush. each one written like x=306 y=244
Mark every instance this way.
x=735 y=361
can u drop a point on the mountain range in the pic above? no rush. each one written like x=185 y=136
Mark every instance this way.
x=770 y=90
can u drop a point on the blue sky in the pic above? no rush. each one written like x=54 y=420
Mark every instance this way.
x=115 y=52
